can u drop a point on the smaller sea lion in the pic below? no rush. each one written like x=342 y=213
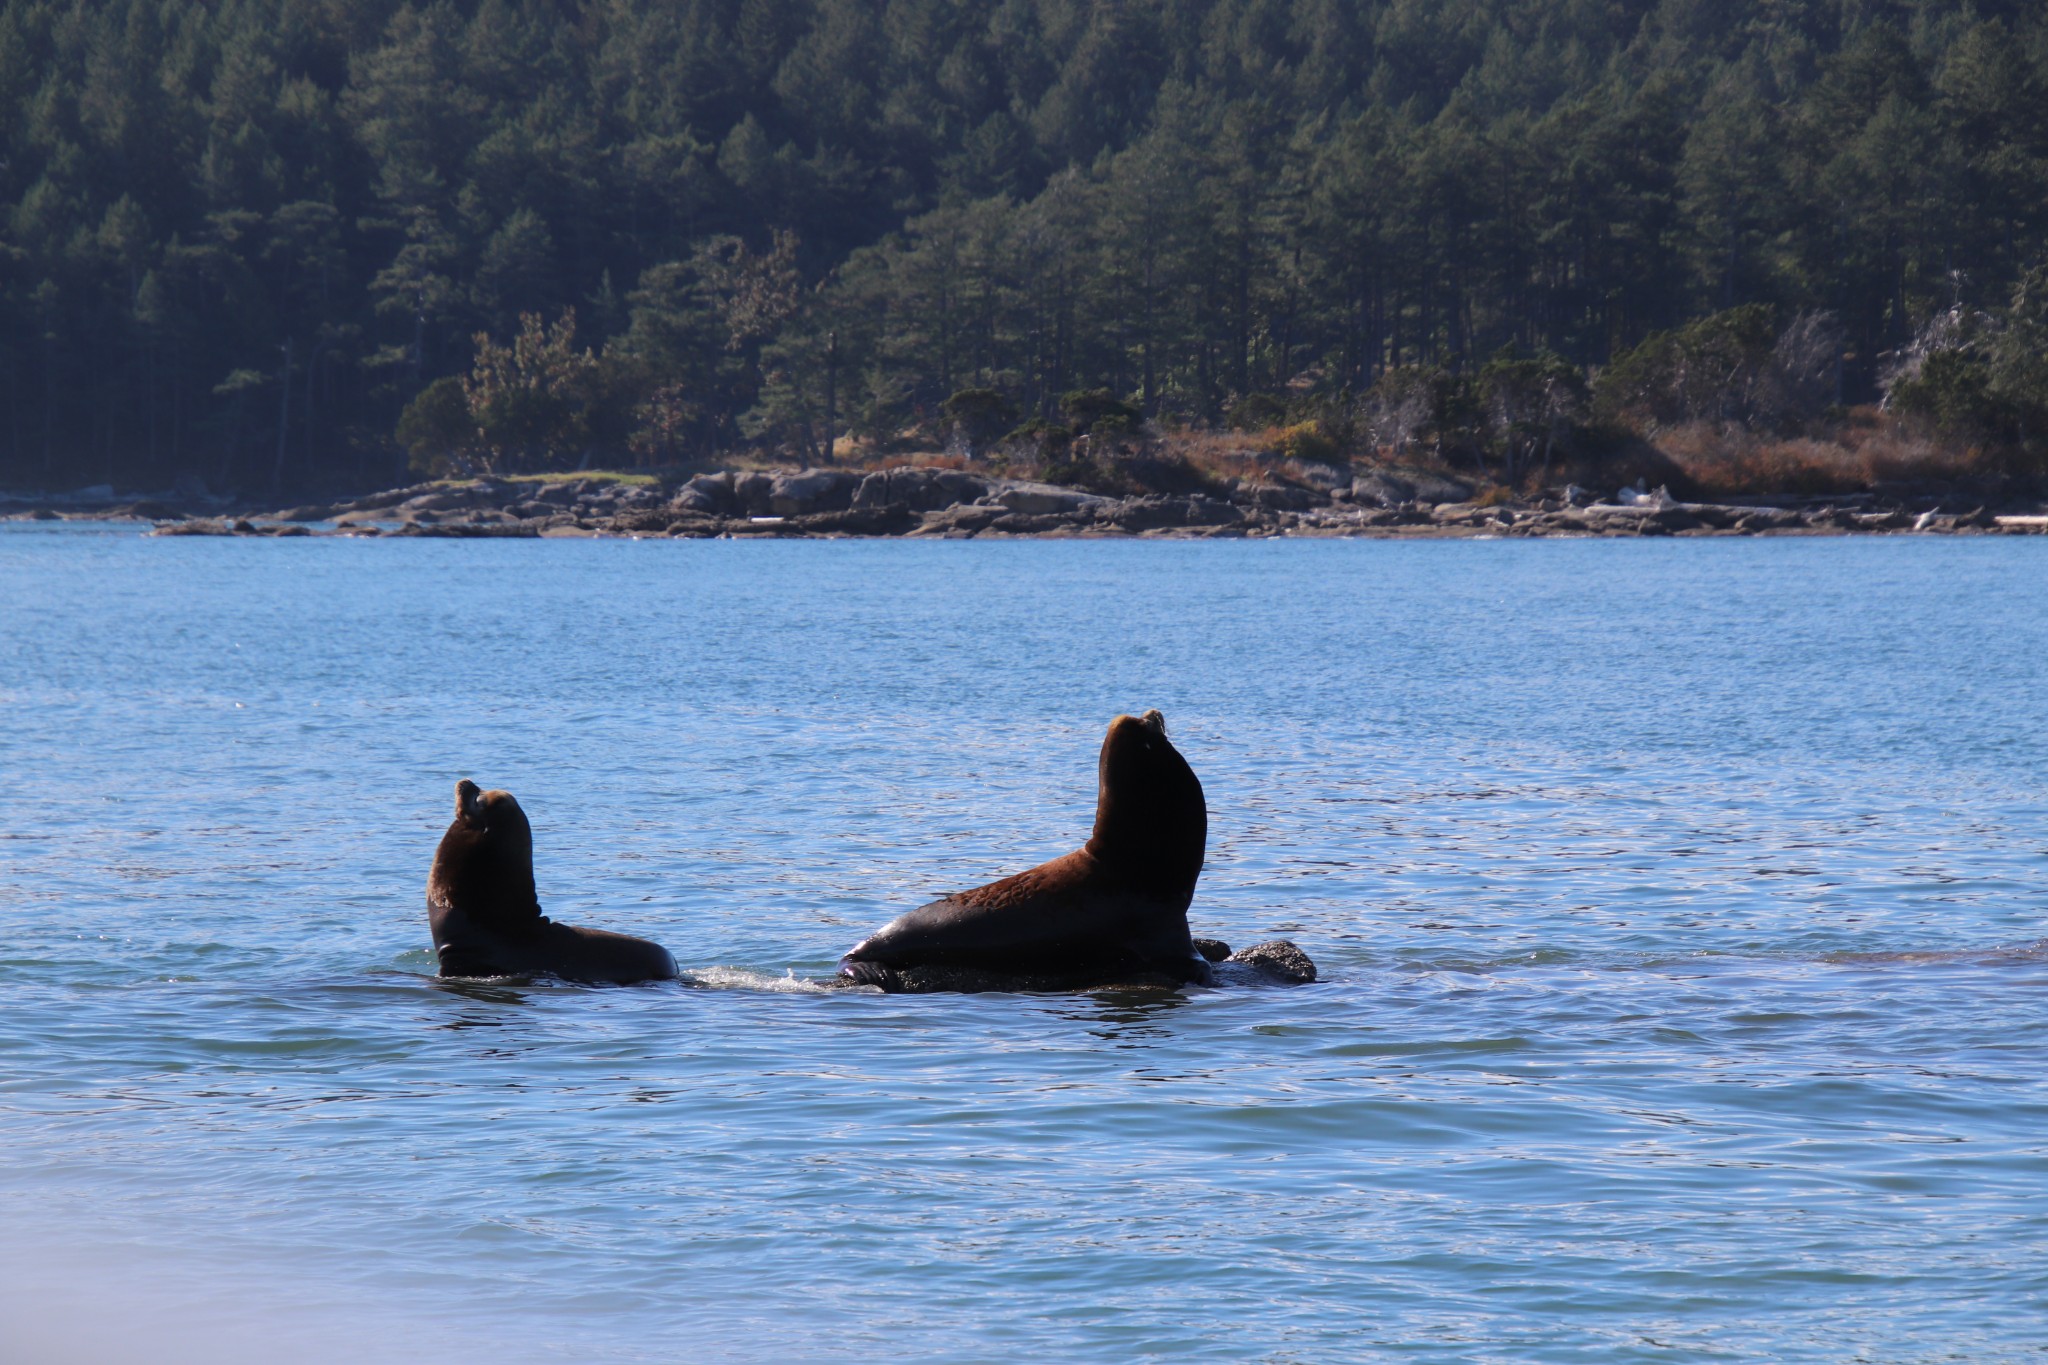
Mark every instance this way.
x=486 y=918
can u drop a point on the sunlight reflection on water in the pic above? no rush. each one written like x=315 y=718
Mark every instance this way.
x=1677 y=906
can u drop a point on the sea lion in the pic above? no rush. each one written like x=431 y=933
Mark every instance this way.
x=486 y=919
x=1113 y=912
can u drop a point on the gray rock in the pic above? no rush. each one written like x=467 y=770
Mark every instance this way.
x=1278 y=958
x=1281 y=497
x=706 y=495
x=1459 y=514
x=444 y=500
x=921 y=490
x=1381 y=489
x=958 y=486
x=1325 y=479
x=1042 y=499
x=1157 y=510
x=1038 y=523
x=873 y=491
x=812 y=490
x=860 y=521
x=753 y=491
x=963 y=517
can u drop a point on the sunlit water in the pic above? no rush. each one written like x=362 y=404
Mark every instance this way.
x=1677 y=905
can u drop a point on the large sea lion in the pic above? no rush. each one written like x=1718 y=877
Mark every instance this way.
x=1114 y=911
x=486 y=918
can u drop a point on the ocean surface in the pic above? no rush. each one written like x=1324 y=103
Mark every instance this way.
x=1679 y=905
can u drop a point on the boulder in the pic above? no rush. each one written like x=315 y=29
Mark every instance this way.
x=1767 y=519
x=152 y=511
x=1157 y=510
x=1045 y=499
x=860 y=521
x=1279 y=958
x=1280 y=497
x=705 y=495
x=921 y=490
x=962 y=518
x=812 y=490
x=1037 y=523
x=1325 y=479
x=1394 y=486
x=442 y=500
x=752 y=491
x=1459 y=514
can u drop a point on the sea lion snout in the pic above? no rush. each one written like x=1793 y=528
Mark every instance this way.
x=1154 y=721
x=485 y=809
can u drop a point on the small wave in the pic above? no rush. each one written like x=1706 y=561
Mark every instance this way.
x=742 y=979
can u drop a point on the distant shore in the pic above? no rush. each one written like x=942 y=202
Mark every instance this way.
x=925 y=501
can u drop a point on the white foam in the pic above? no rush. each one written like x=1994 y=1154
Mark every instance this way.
x=741 y=979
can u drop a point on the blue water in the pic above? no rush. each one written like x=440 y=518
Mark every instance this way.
x=1679 y=907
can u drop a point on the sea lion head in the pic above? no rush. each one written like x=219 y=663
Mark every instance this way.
x=1151 y=822
x=484 y=866
x=495 y=819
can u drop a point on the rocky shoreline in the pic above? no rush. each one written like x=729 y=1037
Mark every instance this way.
x=920 y=501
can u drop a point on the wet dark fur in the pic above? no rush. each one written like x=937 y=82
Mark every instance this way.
x=487 y=921
x=1112 y=912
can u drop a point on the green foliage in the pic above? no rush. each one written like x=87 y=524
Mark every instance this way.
x=1256 y=412
x=1049 y=440
x=1984 y=375
x=1953 y=390
x=1308 y=441
x=436 y=428
x=531 y=400
x=780 y=219
x=1708 y=368
x=979 y=415
x=1098 y=412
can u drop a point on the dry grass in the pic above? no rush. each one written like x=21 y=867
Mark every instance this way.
x=1865 y=448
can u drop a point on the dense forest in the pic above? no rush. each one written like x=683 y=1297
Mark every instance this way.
x=286 y=241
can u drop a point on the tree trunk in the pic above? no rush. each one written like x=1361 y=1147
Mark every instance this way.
x=284 y=413
x=831 y=396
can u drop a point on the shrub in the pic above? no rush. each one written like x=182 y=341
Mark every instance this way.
x=1046 y=438
x=531 y=400
x=1099 y=412
x=1708 y=368
x=1952 y=390
x=436 y=427
x=1308 y=441
x=1418 y=405
x=1529 y=407
x=1256 y=412
x=979 y=415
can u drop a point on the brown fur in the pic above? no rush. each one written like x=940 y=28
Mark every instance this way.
x=1113 y=910
x=486 y=918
